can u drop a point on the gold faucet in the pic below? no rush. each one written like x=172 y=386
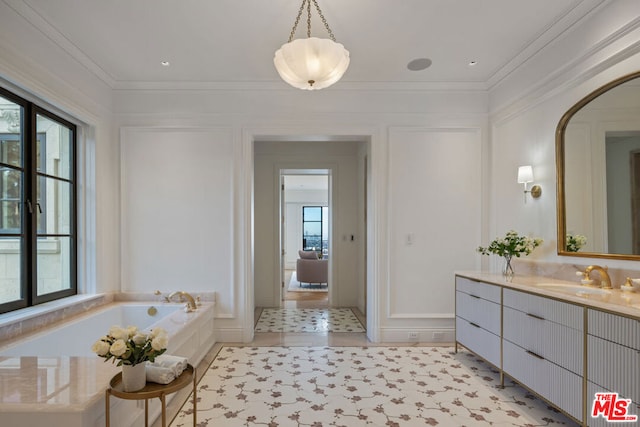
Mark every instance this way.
x=605 y=280
x=191 y=303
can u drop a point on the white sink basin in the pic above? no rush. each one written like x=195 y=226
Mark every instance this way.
x=578 y=290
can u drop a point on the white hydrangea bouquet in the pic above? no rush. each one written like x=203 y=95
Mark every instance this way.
x=131 y=346
x=512 y=244
x=575 y=242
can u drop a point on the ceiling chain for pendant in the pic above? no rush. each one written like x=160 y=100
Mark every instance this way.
x=297 y=21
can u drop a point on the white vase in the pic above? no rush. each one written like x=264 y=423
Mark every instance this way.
x=134 y=377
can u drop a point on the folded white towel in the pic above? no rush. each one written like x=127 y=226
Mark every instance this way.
x=176 y=363
x=158 y=374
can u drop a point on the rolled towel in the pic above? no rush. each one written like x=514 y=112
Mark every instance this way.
x=176 y=363
x=160 y=375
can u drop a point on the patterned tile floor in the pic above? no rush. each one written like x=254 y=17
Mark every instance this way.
x=360 y=386
x=308 y=320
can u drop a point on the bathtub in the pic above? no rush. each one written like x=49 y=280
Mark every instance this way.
x=53 y=378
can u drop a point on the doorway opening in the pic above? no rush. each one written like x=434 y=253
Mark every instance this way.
x=345 y=160
x=305 y=236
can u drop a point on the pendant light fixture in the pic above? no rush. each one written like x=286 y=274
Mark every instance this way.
x=312 y=63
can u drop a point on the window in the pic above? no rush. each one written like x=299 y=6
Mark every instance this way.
x=315 y=229
x=9 y=187
x=37 y=204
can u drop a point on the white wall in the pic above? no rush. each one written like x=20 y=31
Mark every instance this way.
x=177 y=212
x=435 y=223
x=602 y=49
x=525 y=108
x=36 y=68
x=302 y=117
x=342 y=159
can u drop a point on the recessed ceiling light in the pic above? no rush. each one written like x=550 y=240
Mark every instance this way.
x=473 y=63
x=419 y=64
x=165 y=63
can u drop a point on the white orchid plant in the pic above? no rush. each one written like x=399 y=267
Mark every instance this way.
x=131 y=346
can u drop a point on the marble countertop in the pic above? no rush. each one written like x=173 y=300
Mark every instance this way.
x=69 y=383
x=612 y=300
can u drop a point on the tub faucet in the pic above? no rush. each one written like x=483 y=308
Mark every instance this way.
x=605 y=280
x=191 y=303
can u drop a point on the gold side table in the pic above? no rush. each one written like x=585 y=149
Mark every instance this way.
x=150 y=391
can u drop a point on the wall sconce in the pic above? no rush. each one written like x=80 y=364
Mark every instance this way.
x=525 y=176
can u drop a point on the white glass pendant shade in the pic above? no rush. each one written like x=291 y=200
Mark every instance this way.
x=311 y=63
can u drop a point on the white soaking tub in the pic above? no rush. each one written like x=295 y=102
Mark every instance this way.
x=53 y=378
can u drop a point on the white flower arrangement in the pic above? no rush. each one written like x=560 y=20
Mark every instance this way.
x=575 y=242
x=510 y=245
x=131 y=346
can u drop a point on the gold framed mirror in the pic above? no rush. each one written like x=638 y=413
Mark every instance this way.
x=598 y=173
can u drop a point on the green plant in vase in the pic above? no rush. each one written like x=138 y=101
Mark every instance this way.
x=512 y=244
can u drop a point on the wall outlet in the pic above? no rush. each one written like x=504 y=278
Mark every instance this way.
x=413 y=336
x=437 y=336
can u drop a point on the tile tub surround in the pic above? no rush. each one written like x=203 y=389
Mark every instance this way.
x=360 y=386
x=69 y=391
x=17 y=323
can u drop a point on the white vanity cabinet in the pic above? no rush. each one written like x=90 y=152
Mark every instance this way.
x=561 y=349
x=613 y=348
x=478 y=318
x=543 y=347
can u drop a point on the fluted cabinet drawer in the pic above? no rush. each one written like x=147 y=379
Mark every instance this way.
x=480 y=341
x=557 y=343
x=614 y=367
x=592 y=389
x=554 y=311
x=554 y=383
x=618 y=329
x=478 y=289
x=483 y=313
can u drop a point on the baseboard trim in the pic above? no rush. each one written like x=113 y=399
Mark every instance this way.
x=417 y=335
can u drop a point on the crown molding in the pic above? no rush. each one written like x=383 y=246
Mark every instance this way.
x=281 y=86
x=575 y=15
x=566 y=77
x=42 y=25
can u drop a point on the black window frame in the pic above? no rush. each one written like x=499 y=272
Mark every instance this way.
x=30 y=205
x=306 y=247
x=42 y=137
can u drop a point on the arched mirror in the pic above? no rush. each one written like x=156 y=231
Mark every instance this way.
x=598 y=165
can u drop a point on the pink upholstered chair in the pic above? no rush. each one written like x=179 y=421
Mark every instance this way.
x=310 y=269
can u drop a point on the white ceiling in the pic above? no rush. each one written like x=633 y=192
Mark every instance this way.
x=306 y=182
x=233 y=41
